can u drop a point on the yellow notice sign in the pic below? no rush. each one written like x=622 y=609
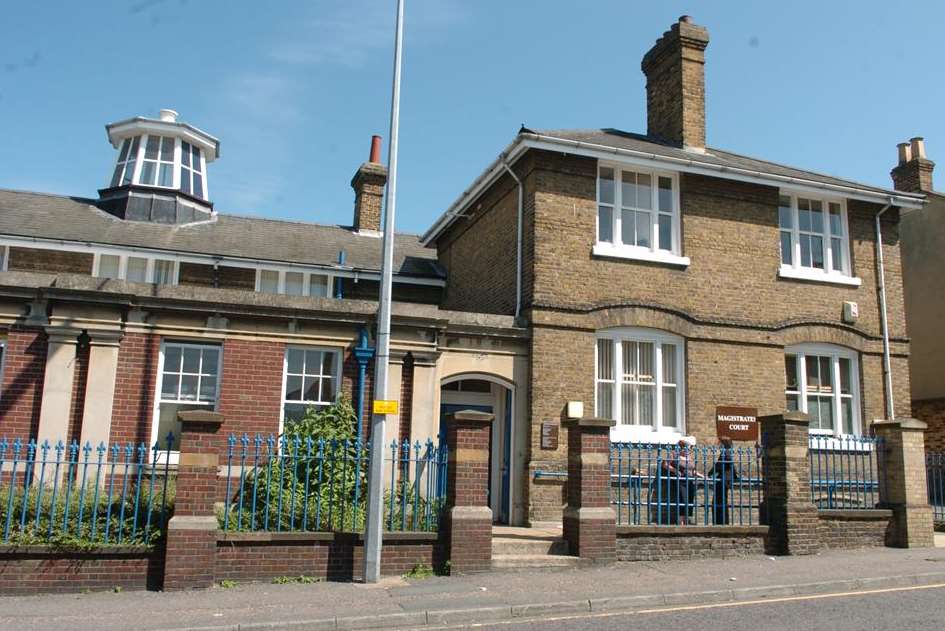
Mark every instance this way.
x=385 y=407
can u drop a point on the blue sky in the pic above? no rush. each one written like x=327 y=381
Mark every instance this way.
x=294 y=90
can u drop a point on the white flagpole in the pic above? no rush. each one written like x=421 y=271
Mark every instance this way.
x=375 y=507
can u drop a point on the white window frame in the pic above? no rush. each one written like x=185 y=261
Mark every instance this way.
x=795 y=270
x=123 y=265
x=835 y=353
x=142 y=151
x=306 y=280
x=4 y=256
x=656 y=433
x=336 y=375
x=173 y=456
x=617 y=249
x=138 y=158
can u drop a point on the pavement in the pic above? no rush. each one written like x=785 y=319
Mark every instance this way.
x=398 y=603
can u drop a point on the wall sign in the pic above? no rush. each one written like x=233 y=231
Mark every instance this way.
x=737 y=423
x=382 y=406
x=549 y=435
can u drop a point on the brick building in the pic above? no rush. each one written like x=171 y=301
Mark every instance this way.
x=923 y=238
x=646 y=278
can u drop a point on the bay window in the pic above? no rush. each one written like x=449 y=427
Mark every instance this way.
x=311 y=379
x=814 y=239
x=823 y=381
x=639 y=383
x=188 y=379
x=637 y=215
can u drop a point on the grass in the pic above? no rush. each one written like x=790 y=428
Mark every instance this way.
x=228 y=583
x=290 y=580
x=420 y=571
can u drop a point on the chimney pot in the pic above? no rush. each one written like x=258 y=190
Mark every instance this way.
x=375 y=149
x=905 y=152
x=169 y=115
x=918 y=147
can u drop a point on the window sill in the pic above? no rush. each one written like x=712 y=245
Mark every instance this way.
x=798 y=273
x=637 y=254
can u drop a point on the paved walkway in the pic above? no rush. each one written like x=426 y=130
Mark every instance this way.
x=496 y=595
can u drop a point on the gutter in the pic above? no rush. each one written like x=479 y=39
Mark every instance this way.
x=884 y=322
x=527 y=140
x=518 y=239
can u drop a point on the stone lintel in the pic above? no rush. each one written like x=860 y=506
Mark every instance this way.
x=193 y=522
x=589 y=421
x=470 y=416
x=199 y=460
x=471 y=513
x=594 y=513
x=200 y=416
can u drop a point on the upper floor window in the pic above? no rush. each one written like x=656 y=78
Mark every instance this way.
x=814 y=237
x=293 y=283
x=127 y=158
x=188 y=379
x=311 y=379
x=137 y=269
x=191 y=170
x=823 y=381
x=153 y=160
x=639 y=379
x=637 y=215
x=157 y=168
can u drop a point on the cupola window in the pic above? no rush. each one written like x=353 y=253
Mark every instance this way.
x=125 y=169
x=158 y=166
x=191 y=171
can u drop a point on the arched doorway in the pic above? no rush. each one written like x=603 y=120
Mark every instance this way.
x=487 y=393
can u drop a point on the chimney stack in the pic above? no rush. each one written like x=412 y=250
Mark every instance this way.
x=913 y=174
x=368 y=184
x=675 y=85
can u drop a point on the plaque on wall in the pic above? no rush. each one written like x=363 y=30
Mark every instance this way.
x=737 y=423
x=549 y=435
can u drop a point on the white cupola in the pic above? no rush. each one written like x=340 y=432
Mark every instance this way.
x=161 y=171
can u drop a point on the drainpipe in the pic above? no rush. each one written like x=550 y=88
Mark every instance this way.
x=884 y=322
x=518 y=238
x=363 y=354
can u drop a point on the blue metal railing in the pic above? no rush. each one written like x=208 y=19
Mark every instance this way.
x=846 y=472
x=284 y=485
x=67 y=493
x=669 y=485
x=935 y=476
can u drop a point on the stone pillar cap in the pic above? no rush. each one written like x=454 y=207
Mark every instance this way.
x=905 y=423
x=470 y=416
x=200 y=416
x=788 y=416
x=589 y=421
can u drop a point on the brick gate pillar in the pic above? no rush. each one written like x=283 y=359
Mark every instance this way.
x=589 y=522
x=788 y=508
x=468 y=528
x=903 y=488
x=192 y=531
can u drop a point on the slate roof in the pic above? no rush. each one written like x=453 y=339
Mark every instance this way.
x=616 y=138
x=47 y=216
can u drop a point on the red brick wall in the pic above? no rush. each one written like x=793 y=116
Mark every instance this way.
x=406 y=399
x=34 y=570
x=79 y=381
x=338 y=557
x=21 y=393
x=251 y=387
x=133 y=407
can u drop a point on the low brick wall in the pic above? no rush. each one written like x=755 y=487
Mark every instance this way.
x=261 y=556
x=683 y=543
x=851 y=529
x=40 y=569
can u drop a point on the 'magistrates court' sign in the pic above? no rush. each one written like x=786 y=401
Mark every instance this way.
x=737 y=423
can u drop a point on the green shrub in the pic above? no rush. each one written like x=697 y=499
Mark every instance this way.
x=79 y=519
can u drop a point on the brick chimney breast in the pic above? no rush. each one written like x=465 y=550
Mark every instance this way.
x=675 y=85
x=913 y=173
x=368 y=184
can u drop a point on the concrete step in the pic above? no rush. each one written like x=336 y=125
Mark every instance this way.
x=531 y=561
x=528 y=546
